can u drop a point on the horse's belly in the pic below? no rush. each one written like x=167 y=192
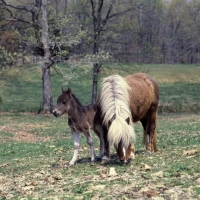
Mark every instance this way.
x=139 y=111
x=142 y=95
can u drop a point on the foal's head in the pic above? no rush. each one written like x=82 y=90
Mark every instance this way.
x=63 y=103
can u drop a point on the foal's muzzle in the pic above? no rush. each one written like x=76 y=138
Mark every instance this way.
x=55 y=113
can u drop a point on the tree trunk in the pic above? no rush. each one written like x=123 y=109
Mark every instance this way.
x=46 y=77
x=98 y=23
x=96 y=68
x=96 y=33
x=47 y=92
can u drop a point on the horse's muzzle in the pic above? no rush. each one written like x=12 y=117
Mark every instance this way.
x=125 y=162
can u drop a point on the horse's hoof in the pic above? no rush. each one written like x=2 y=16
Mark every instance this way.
x=149 y=153
x=105 y=160
x=132 y=156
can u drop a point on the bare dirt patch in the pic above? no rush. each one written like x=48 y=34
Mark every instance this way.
x=24 y=134
x=29 y=137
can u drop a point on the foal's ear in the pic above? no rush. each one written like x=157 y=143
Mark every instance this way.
x=69 y=92
x=128 y=120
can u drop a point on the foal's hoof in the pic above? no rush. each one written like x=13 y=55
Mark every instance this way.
x=70 y=164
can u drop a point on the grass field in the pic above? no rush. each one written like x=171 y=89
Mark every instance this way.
x=21 y=88
x=35 y=149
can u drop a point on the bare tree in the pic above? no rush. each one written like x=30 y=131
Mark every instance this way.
x=101 y=12
x=33 y=12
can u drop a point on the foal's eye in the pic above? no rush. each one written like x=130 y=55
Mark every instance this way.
x=64 y=102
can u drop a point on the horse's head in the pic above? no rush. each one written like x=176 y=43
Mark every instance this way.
x=125 y=149
x=125 y=155
x=63 y=103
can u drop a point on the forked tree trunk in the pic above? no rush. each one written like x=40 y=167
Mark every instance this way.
x=46 y=77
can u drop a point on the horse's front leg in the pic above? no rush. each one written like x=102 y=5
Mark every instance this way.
x=76 y=138
x=99 y=132
x=90 y=143
x=106 y=157
x=102 y=147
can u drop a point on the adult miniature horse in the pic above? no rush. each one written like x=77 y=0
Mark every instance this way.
x=121 y=102
x=80 y=119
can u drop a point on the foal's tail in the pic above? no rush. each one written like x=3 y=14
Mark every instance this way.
x=114 y=102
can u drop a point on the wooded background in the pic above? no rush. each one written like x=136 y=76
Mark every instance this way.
x=97 y=31
x=145 y=31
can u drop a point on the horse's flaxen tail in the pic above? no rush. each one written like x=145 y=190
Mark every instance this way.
x=114 y=102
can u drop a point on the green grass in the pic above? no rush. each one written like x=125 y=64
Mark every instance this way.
x=35 y=150
x=21 y=87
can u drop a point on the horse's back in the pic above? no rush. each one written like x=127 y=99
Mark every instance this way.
x=143 y=95
x=144 y=81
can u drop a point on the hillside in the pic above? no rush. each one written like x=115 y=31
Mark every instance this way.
x=21 y=87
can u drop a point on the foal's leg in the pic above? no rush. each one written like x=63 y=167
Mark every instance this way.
x=90 y=143
x=76 y=138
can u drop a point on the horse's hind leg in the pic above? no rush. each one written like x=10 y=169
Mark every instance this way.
x=144 y=124
x=76 y=138
x=90 y=143
x=151 y=129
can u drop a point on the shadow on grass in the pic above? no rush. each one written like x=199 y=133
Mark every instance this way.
x=114 y=160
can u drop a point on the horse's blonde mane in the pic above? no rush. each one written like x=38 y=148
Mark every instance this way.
x=114 y=102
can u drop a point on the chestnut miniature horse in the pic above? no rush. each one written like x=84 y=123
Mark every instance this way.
x=121 y=102
x=80 y=119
